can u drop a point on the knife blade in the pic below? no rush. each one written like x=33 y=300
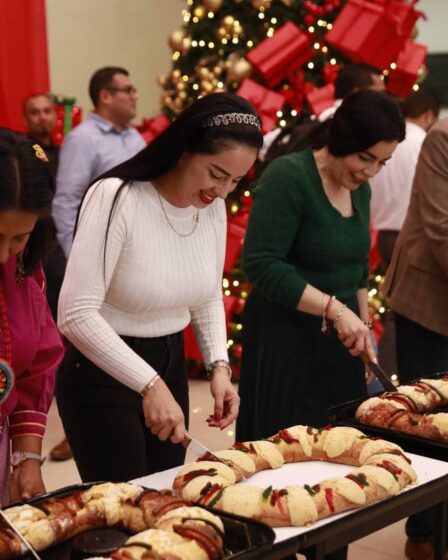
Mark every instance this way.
x=200 y=450
x=379 y=373
x=21 y=537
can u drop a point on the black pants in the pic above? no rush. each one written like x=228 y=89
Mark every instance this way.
x=103 y=420
x=54 y=272
x=420 y=352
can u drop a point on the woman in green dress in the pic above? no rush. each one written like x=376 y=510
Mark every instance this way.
x=306 y=254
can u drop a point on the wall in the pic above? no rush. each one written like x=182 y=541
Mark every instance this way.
x=84 y=35
x=433 y=31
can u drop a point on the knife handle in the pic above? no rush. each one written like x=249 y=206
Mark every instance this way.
x=186 y=441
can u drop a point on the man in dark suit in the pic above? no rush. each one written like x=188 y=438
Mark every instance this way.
x=417 y=288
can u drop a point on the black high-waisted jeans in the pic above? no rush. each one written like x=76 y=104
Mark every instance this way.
x=103 y=419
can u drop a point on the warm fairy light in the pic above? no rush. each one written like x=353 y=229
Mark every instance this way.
x=211 y=45
x=279 y=114
x=229 y=342
x=393 y=65
x=195 y=87
x=333 y=61
x=224 y=41
x=324 y=49
x=250 y=43
x=220 y=84
x=378 y=278
x=386 y=72
x=202 y=43
x=311 y=29
x=282 y=123
x=190 y=2
x=246 y=193
x=316 y=45
x=227 y=293
x=293 y=113
x=270 y=32
x=244 y=294
x=415 y=87
x=236 y=283
x=235 y=41
x=310 y=65
x=194 y=43
x=382 y=309
x=195 y=19
x=185 y=78
x=211 y=15
x=239 y=327
x=330 y=26
x=373 y=292
x=176 y=55
x=225 y=283
x=261 y=15
x=234 y=208
x=274 y=20
x=394 y=377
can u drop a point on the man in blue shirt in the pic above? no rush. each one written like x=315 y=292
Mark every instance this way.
x=101 y=142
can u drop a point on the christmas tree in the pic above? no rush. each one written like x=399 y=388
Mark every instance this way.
x=283 y=56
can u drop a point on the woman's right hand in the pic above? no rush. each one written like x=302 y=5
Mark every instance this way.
x=163 y=415
x=352 y=332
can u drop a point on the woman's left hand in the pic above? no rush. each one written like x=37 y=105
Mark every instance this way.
x=26 y=481
x=227 y=401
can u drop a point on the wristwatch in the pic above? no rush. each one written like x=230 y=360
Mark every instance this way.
x=18 y=457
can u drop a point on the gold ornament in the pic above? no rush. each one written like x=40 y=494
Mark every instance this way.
x=239 y=70
x=175 y=74
x=212 y=5
x=186 y=44
x=221 y=33
x=228 y=22
x=262 y=4
x=175 y=39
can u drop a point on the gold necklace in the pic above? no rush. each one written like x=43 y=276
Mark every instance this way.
x=195 y=220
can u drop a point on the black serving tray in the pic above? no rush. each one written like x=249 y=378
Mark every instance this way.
x=243 y=537
x=344 y=415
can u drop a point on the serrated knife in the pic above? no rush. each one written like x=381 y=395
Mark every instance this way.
x=24 y=541
x=379 y=373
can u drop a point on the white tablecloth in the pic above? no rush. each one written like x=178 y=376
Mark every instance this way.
x=308 y=473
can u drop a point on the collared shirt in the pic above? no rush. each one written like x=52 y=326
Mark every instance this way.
x=92 y=148
x=391 y=188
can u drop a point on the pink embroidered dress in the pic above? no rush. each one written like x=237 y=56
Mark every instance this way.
x=36 y=350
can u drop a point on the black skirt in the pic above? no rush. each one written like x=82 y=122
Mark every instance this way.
x=291 y=372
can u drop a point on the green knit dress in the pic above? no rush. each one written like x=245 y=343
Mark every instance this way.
x=291 y=372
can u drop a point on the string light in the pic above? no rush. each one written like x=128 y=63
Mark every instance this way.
x=235 y=283
x=316 y=45
x=274 y=20
x=279 y=114
x=261 y=15
x=282 y=123
x=270 y=32
x=311 y=29
x=329 y=26
x=293 y=113
x=195 y=19
x=211 y=45
x=239 y=327
x=202 y=43
x=250 y=43
x=333 y=61
x=246 y=193
x=211 y=15
x=176 y=55
x=324 y=49
x=195 y=87
x=310 y=65
x=393 y=65
x=415 y=87
x=225 y=283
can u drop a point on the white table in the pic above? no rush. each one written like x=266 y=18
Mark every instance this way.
x=336 y=531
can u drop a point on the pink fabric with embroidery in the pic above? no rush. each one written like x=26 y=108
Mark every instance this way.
x=36 y=352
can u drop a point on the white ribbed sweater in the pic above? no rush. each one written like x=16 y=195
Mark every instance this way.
x=153 y=282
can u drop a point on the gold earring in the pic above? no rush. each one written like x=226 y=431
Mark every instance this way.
x=20 y=269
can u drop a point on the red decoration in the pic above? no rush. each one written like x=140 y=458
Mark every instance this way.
x=68 y=116
x=409 y=61
x=151 y=128
x=265 y=101
x=330 y=72
x=235 y=238
x=321 y=98
x=274 y=57
x=373 y=32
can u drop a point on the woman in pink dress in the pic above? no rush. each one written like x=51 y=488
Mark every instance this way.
x=30 y=345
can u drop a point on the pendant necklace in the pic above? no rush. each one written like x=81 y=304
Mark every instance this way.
x=195 y=220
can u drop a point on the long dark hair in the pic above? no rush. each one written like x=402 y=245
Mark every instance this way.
x=363 y=119
x=27 y=185
x=194 y=131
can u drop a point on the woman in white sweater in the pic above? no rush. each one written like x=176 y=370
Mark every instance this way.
x=147 y=259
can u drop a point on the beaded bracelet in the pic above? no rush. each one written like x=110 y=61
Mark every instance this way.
x=148 y=386
x=340 y=312
x=218 y=363
x=368 y=324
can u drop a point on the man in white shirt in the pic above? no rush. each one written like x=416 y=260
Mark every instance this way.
x=391 y=187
